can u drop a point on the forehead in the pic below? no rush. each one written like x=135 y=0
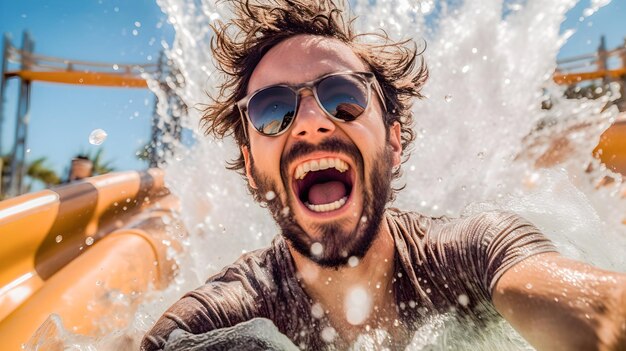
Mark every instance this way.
x=303 y=58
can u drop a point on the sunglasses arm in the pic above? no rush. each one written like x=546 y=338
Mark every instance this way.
x=244 y=123
x=379 y=91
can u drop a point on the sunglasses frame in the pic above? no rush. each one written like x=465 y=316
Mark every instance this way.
x=368 y=77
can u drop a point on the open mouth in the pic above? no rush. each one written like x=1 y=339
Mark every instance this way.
x=323 y=185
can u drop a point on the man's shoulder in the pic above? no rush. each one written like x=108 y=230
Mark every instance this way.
x=411 y=222
x=494 y=220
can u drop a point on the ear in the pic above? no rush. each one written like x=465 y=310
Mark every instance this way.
x=395 y=142
x=246 y=159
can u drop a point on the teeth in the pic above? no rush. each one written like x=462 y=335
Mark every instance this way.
x=319 y=165
x=327 y=207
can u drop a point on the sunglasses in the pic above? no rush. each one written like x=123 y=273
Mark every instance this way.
x=343 y=96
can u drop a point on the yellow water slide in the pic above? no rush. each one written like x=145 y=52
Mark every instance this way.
x=61 y=249
x=612 y=147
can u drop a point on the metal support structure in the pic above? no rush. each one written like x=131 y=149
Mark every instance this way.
x=621 y=104
x=167 y=129
x=602 y=63
x=18 y=160
x=3 y=81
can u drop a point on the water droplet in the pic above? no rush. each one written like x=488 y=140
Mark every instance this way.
x=317 y=249
x=481 y=155
x=529 y=286
x=97 y=137
x=98 y=282
x=465 y=69
x=363 y=219
x=135 y=32
x=317 y=311
x=58 y=238
x=116 y=67
x=137 y=24
x=474 y=50
x=28 y=151
x=463 y=299
x=358 y=305
x=270 y=195
x=285 y=211
x=328 y=334
x=353 y=261
x=89 y=241
x=448 y=98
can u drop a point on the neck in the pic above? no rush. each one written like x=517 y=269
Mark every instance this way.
x=354 y=297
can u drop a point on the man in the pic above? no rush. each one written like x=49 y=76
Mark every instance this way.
x=322 y=119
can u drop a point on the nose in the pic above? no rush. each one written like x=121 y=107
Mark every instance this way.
x=311 y=123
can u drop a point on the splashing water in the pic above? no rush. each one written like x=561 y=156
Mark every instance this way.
x=491 y=64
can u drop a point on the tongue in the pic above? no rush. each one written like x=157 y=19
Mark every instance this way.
x=325 y=193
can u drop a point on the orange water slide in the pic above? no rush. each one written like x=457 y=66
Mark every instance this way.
x=63 y=250
x=103 y=79
x=573 y=78
x=611 y=149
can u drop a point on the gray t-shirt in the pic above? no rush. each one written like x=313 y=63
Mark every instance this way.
x=441 y=265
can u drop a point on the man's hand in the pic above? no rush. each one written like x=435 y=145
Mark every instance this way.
x=559 y=304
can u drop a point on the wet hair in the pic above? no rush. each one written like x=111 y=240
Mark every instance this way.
x=258 y=25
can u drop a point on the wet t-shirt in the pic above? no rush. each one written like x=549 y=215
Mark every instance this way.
x=441 y=265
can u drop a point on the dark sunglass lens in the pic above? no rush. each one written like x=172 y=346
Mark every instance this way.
x=271 y=110
x=343 y=96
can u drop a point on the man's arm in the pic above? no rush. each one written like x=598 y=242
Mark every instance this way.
x=214 y=305
x=560 y=304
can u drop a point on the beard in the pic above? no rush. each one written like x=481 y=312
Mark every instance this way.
x=338 y=244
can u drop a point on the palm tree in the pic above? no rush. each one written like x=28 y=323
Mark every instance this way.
x=38 y=171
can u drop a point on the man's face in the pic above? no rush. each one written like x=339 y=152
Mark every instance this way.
x=341 y=207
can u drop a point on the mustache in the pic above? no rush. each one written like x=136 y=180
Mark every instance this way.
x=302 y=148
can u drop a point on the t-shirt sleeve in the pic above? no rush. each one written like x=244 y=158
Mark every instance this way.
x=217 y=304
x=467 y=256
x=496 y=241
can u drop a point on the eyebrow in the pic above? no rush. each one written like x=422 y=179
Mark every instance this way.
x=293 y=83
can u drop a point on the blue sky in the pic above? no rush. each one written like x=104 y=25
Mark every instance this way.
x=62 y=116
